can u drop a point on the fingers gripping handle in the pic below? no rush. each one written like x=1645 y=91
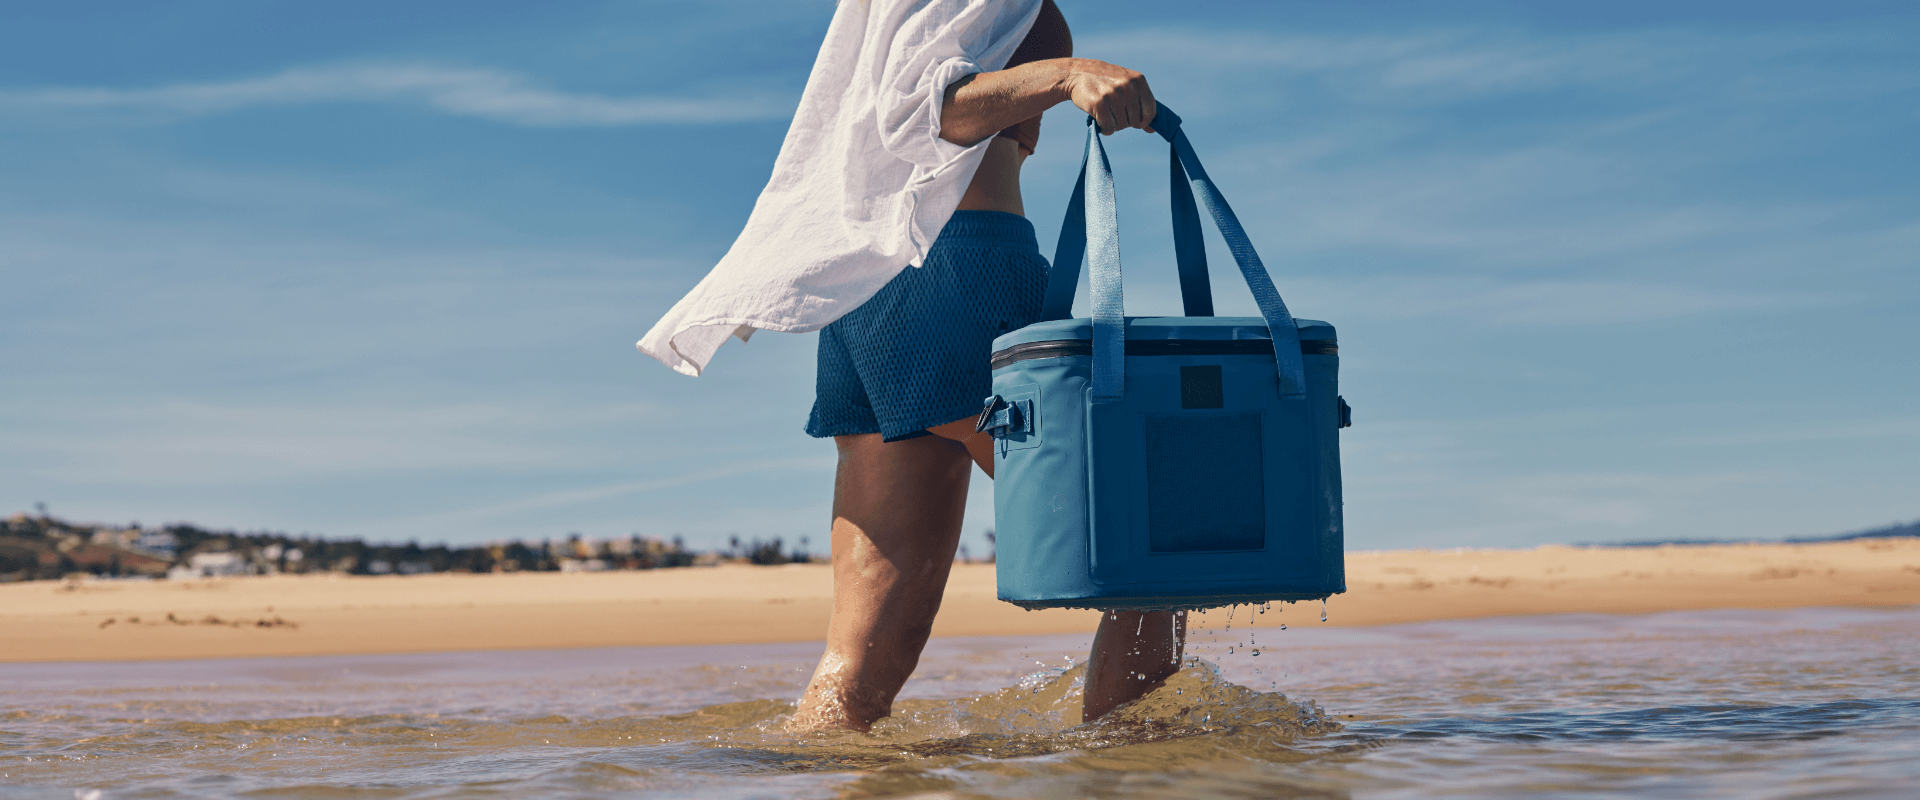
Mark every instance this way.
x=1091 y=229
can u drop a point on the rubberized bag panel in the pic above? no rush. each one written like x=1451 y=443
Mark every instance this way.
x=1204 y=488
x=1040 y=493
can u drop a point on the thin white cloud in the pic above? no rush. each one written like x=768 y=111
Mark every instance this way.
x=1569 y=199
x=1425 y=66
x=1539 y=303
x=1823 y=431
x=1467 y=63
x=480 y=93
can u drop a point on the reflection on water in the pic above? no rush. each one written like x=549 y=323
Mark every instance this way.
x=1822 y=702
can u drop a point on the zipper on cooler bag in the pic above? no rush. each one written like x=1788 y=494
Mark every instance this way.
x=1160 y=347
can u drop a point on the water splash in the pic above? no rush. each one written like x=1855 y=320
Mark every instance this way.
x=1040 y=715
x=1197 y=700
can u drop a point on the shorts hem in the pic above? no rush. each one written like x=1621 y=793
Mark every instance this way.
x=829 y=434
x=966 y=413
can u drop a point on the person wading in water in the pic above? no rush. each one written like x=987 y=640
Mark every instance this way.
x=893 y=224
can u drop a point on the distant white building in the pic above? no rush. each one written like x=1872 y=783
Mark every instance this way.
x=215 y=565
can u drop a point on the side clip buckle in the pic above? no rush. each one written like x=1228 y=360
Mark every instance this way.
x=994 y=403
x=1001 y=419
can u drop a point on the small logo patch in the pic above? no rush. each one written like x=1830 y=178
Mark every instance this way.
x=1200 y=387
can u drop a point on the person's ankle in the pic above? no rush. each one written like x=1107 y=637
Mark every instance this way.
x=839 y=705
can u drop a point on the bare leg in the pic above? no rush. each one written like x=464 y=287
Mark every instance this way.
x=1132 y=653
x=897 y=510
x=896 y=522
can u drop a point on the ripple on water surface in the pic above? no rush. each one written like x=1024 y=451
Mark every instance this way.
x=1818 y=702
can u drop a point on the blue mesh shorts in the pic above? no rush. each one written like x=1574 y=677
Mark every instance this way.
x=915 y=355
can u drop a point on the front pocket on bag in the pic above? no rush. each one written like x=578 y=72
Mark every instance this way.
x=1206 y=490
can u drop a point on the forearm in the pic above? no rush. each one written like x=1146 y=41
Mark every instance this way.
x=982 y=104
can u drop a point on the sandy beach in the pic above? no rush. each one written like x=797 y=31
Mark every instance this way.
x=315 y=615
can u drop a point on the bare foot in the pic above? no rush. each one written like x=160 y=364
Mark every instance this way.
x=836 y=702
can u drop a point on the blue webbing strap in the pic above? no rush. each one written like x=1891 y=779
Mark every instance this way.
x=1093 y=232
x=1063 y=279
x=1103 y=272
x=1280 y=325
x=1189 y=246
x=1190 y=250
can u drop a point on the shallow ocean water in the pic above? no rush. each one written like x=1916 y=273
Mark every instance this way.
x=1796 y=703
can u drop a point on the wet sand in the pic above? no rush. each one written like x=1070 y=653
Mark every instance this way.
x=322 y=615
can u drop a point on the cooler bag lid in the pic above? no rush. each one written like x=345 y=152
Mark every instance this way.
x=1147 y=336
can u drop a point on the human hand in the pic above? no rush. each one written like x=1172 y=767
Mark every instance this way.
x=1116 y=97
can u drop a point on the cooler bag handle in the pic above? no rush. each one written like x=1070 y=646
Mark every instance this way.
x=1092 y=230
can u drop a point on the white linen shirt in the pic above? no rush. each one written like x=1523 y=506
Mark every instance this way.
x=863 y=183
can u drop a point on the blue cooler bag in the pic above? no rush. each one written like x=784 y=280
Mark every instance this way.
x=1164 y=462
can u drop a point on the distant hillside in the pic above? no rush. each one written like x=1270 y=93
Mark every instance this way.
x=1894 y=530
x=44 y=548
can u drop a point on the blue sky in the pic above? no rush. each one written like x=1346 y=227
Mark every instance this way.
x=367 y=269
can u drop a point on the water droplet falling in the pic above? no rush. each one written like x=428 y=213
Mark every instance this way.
x=1323 y=609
